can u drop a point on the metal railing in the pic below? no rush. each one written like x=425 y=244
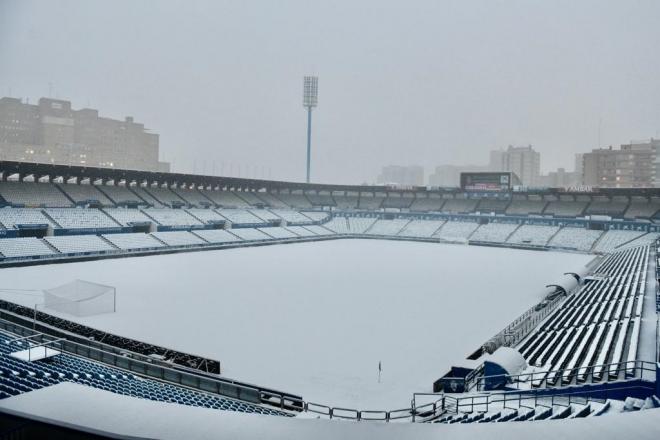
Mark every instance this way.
x=444 y=404
x=612 y=372
x=204 y=383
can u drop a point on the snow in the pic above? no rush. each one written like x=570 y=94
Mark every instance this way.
x=113 y=415
x=316 y=318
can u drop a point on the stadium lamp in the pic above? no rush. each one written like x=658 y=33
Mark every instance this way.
x=310 y=100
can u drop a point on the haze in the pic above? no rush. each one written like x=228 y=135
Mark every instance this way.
x=403 y=83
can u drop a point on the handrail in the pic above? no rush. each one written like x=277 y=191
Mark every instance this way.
x=201 y=383
x=607 y=374
x=483 y=402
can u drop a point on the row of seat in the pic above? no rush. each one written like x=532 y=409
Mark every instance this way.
x=66 y=195
x=595 y=332
x=54 y=246
x=18 y=376
x=92 y=218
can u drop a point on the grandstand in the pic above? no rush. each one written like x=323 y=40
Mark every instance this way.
x=83 y=194
x=128 y=216
x=80 y=218
x=134 y=241
x=537 y=235
x=575 y=238
x=121 y=195
x=494 y=232
x=456 y=231
x=177 y=218
x=583 y=339
x=30 y=195
x=420 y=228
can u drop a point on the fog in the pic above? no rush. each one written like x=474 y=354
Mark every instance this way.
x=425 y=82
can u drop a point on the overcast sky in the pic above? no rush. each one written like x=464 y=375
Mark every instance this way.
x=408 y=82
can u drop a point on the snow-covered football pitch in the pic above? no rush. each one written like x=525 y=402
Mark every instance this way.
x=317 y=318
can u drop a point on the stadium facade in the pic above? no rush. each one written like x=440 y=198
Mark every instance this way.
x=588 y=349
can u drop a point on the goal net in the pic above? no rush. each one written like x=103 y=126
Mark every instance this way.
x=81 y=298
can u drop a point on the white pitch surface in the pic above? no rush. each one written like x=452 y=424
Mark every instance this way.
x=316 y=318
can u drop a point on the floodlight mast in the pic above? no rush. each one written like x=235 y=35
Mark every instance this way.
x=310 y=100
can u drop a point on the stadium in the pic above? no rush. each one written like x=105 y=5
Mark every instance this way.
x=255 y=307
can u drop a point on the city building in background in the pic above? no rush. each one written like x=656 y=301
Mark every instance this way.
x=52 y=132
x=560 y=179
x=525 y=162
x=402 y=175
x=449 y=176
x=633 y=165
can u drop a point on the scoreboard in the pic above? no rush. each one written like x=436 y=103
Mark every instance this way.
x=489 y=181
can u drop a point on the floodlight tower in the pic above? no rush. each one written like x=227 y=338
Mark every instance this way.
x=310 y=100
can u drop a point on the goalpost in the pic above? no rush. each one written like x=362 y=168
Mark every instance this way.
x=81 y=298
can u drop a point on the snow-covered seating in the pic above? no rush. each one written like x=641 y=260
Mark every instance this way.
x=278 y=232
x=359 y=225
x=241 y=217
x=266 y=215
x=10 y=217
x=611 y=208
x=291 y=216
x=250 y=234
x=193 y=197
x=316 y=216
x=207 y=216
x=456 y=231
x=397 y=201
x=644 y=240
x=179 y=238
x=225 y=199
x=120 y=194
x=72 y=244
x=30 y=194
x=533 y=234
x=427 y=204
x=421 y=228
x=301 y=231
x=565 y=208
x=641 y=207
x=595 y=326
x=146 y=197
x=319 y=230
x=172 y=217
x=387 y=227
x=216 y=236
x=494 y=232
x=580 y=239
x=84 y=193
x=338 y=225
x=347 y=201
x=134 y=241
x=81 y=218
x=459 y=206
x=370 y=201
x=297 y=201
x=24 y=247
x=320 y=199
x=492 y=205
x=525 y=207
x=613 y=238
x=165 y=196
x=271 y=201
x=127 y=216
x=249 y=197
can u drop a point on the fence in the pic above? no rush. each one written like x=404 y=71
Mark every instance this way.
x=143 y=367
